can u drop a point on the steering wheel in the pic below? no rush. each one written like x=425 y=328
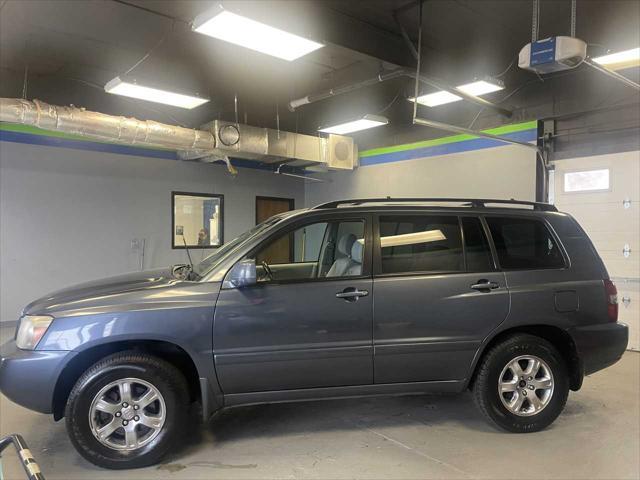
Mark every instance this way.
x=267 y=269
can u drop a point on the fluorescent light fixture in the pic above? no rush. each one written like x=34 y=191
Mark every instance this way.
x=368 y=121
x=243 y=31
x=480 y=87
x=437 y=98
x=477 y=88
x=133 y=90
x=620 y=60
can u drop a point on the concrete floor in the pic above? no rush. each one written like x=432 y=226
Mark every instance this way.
x=597 y=436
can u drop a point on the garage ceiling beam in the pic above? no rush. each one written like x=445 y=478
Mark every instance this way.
x=354 y=34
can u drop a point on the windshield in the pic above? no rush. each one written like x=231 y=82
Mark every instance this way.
x=208 y=263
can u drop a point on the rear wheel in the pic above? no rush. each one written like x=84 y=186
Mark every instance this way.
x=522 y=384
x=127 y=410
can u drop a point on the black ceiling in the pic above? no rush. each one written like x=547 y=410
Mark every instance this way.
x=70 y=49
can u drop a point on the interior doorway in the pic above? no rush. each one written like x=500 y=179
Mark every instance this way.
x=282 y=250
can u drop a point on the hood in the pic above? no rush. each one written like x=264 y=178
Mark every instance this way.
x=97 y=292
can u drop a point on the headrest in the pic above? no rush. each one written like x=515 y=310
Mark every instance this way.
x=356 y=251
x=345 y=243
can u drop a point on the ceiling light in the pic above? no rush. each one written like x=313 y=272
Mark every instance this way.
x=248 y=33
x=368 y=121
x=620 y=60
x=481 y=87
x=132 y=89
x=477 y=88
x=436 y=98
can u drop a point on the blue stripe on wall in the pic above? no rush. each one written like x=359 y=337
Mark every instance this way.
x=464 y=146
x=31 y=139
x=20 y=137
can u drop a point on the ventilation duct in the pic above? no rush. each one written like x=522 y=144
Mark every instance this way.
x=266 y=145
x=215 y=140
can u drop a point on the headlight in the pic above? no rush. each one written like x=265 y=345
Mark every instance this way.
x=32 y=328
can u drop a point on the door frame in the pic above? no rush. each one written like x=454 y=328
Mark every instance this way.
x=292 y=203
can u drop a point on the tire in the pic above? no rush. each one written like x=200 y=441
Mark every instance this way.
x=146 y=375
x=496 y=370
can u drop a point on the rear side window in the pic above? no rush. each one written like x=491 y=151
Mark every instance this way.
x=476 y=246
x=420 y=244
x=524 y=244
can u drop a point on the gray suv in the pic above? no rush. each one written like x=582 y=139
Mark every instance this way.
x=351 y=298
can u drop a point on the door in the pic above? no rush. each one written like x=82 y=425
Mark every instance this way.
x=267 y=207
x=307 y=322
x=438 y=295
x=603 y=194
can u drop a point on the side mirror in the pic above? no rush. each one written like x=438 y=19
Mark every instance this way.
x=242 y=274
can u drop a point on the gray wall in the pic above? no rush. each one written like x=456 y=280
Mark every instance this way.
x=67 y=215
x=500 y=172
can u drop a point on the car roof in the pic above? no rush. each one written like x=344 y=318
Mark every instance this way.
x=458 y=205
x=473 y=203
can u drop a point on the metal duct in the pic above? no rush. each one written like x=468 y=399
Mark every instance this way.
x=100 y=126
x=213 y=141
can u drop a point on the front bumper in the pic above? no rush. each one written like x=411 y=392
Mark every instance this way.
x=601 y=345
x=29 y=377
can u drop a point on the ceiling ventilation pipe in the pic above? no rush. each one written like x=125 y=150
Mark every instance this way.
x=217 y=140
x=391 y=75
x=104 y=127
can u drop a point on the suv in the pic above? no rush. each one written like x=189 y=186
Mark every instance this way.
x=352 y=298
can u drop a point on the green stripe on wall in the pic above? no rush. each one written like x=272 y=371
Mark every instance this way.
x=518 y=127
x=17 y=127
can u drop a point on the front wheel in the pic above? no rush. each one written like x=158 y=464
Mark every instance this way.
x=127 y=410
x=522 y=384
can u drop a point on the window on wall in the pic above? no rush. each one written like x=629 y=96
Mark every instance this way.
x=586 y=181
x=197 y=220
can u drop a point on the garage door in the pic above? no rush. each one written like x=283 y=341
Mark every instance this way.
x=603 y=193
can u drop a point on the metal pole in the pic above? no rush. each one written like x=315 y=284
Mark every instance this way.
x=27 y=461
x=453 y=128
x=416 y=88
x=535 y=21
x=390 y=75
x=405 y=35
x=612 y=74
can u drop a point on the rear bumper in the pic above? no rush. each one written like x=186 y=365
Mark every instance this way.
x=600 y=346
x=29 y=377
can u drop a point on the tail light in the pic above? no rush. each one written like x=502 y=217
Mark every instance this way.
x=611 y=293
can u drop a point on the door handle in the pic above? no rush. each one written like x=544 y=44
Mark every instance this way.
x=484 y=285
x=352 y=294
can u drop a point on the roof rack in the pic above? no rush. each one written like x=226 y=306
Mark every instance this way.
x=469 y=202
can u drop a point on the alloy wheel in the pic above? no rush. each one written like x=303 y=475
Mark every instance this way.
x=525 y=385
x=127 y=414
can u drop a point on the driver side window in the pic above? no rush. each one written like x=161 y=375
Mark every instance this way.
x=316 y=250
